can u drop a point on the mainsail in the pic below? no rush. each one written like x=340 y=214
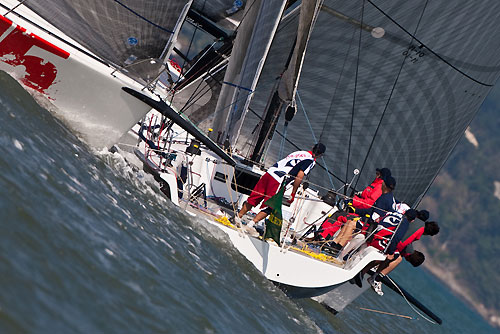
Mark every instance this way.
x=387 y=84
x=382 y=84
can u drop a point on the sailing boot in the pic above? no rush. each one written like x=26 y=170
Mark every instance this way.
x=376 y=285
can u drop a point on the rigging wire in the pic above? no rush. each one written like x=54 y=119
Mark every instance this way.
x=298 y=148
x=187 y=53
x=14 y=8
x=197 y=94
x=186 y=59
x=318 y=186
x=243 y=18
x=279 y=133
x=428 y=48
x=390 y=95
x=183 y=63
x=388 y=313
x=314 y=137
x=412 y=307
x=286 y=139
x=143 y=18
x=243 y=69
x=193 y=99
x=206 y=65
x=355 y=91
x=282 y=144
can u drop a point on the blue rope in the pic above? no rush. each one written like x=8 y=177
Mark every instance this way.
x=142 y=17
x=314 y=137
x=237 y=86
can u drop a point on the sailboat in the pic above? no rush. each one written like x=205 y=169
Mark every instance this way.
x=377 y=83
x=382 y=84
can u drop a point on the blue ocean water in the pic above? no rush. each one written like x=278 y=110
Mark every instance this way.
x=89 y=245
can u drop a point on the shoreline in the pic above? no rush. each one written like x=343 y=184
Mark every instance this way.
x=447 y=278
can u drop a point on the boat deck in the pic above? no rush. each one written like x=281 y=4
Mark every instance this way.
x=302 y=248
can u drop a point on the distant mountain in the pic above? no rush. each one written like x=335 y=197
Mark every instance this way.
x=465 y=200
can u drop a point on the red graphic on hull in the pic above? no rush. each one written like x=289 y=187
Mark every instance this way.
x=40 y=73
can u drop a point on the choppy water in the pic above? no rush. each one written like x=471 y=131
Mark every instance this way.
x=88 y=245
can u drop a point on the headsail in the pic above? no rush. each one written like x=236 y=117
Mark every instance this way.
x=120 y=32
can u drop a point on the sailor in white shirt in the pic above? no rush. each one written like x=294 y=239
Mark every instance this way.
x=295 y=166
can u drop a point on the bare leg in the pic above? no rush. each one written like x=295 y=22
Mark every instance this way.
x=358 y=278
x=345 y=233
x=369 y=266
x=261 y=215
x=391 y=266
x=385 y=263
x=384 y=268
x=244 y=209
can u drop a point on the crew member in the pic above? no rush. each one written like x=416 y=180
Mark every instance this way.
x=390 y=231
x=295 y=166
x=370 y=194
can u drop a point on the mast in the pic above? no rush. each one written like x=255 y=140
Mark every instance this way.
x=287 y=87
x=251 y=46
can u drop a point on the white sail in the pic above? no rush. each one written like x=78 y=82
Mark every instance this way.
x=250 y=49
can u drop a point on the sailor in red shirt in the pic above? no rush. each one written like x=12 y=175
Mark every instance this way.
x=405 y=246
x=367 y=197
x=405 y=250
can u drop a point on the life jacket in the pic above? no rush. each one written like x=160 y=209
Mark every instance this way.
x=369 y=195
x=386 y=228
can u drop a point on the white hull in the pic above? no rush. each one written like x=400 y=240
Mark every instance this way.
x=296 y=271
x=302 y=272
x=83 y=90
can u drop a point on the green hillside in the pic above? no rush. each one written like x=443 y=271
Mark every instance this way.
x=462 y=199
